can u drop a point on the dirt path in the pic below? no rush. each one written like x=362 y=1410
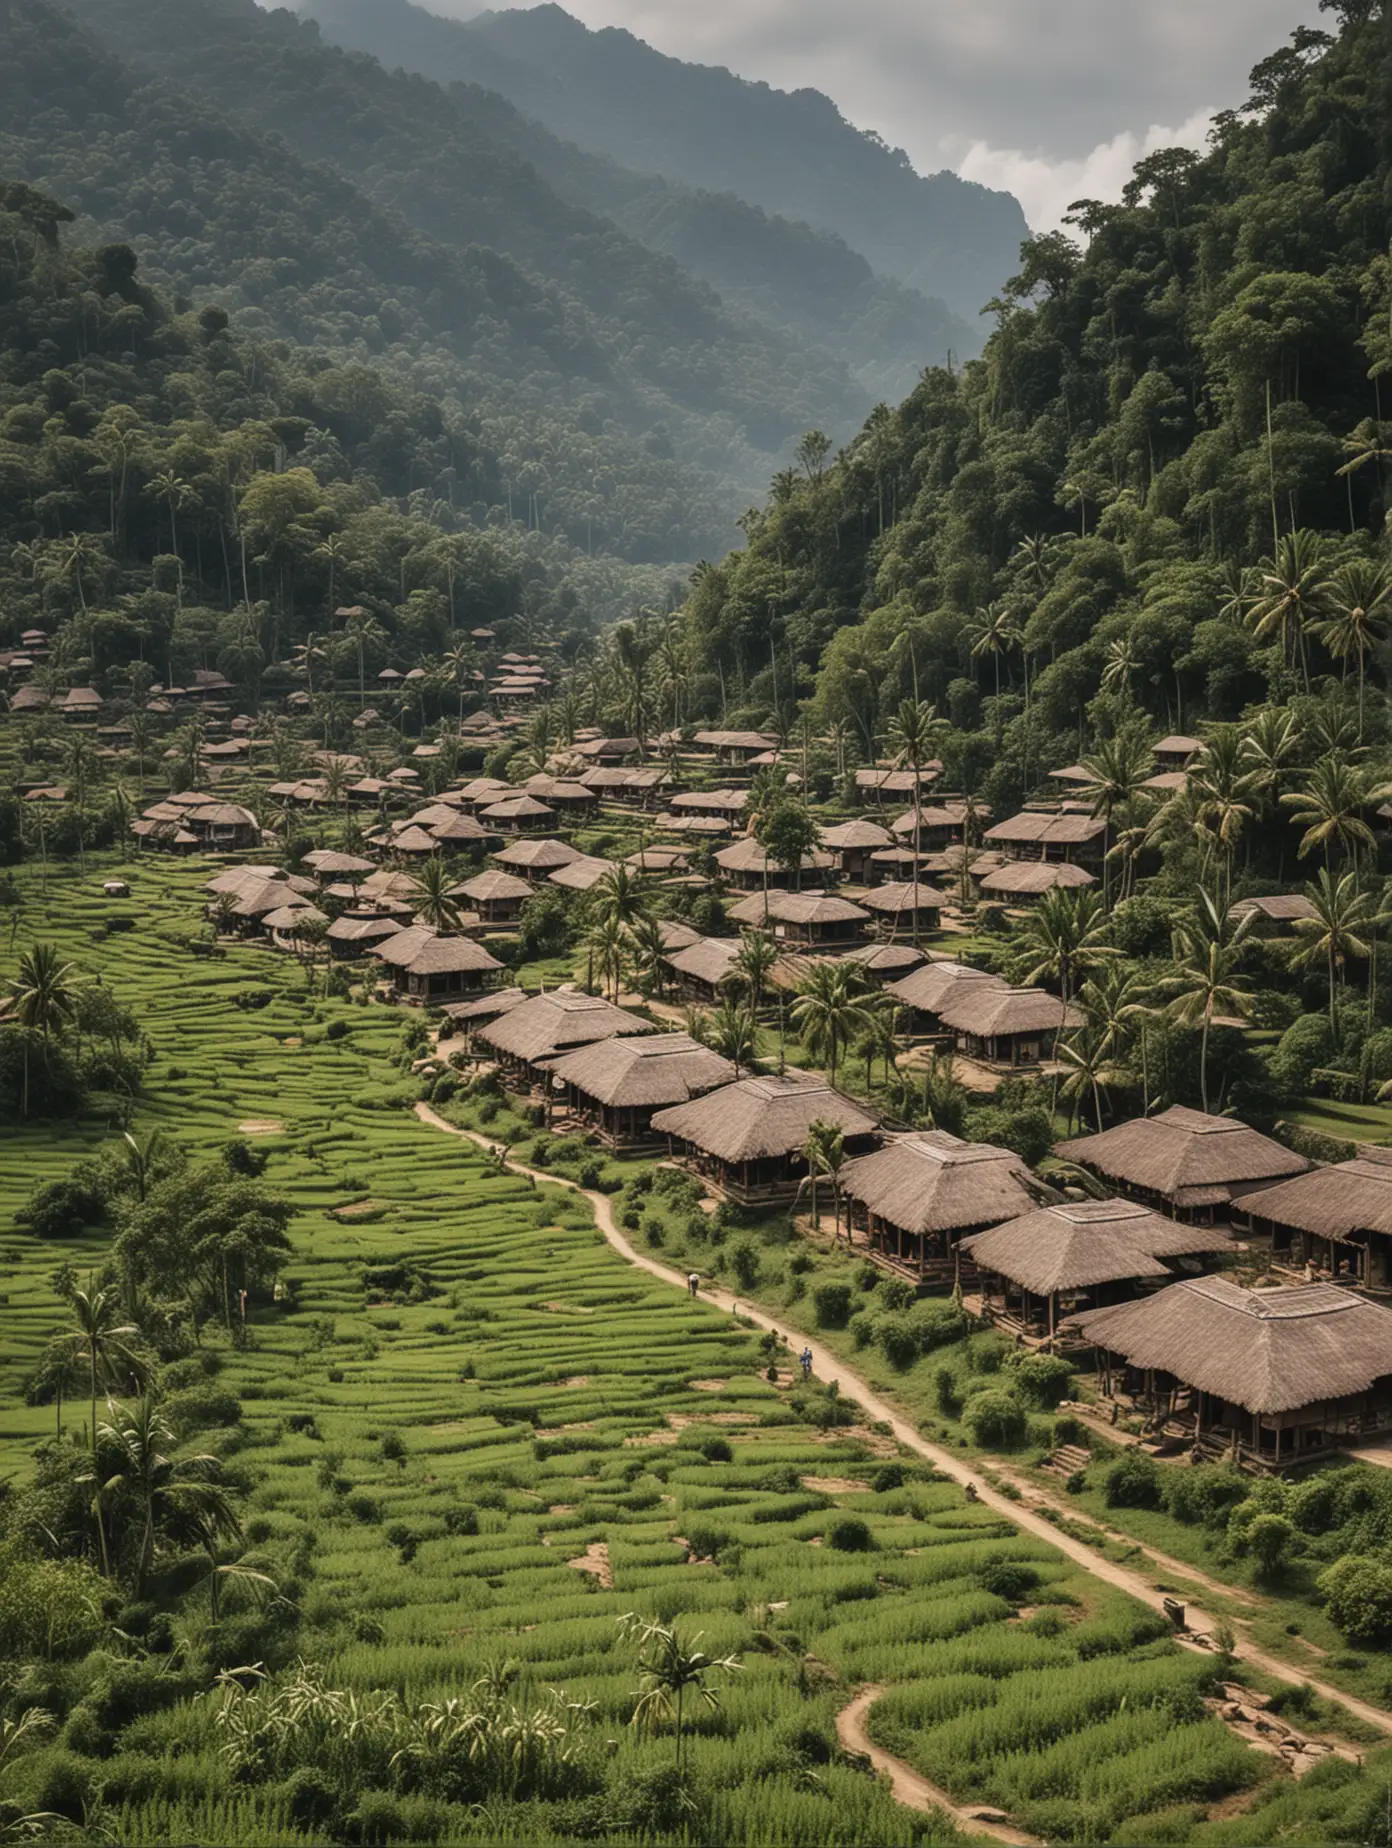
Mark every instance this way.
x=829 y=1367
x=913 y=1791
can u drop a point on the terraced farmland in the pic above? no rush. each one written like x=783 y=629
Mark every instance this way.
x=474 y=1436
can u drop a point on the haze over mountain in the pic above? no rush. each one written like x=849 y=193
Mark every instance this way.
x=790 y=154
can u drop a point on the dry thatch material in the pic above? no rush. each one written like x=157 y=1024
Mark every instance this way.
x=547 y=1025
x=361 y=930
x=240 y=879
x=421 y=950
x=712 y=801
x=885 y=959
x=1282 y=908
x=581 y=875
x=997 y=1012
x=293 y=917
x=851 y=835
x=1344 y=1202
x=933 y=1182
x=796 y=908
x=459 y=830
x=896 y=782
x=1032 y=878
x=637 y=1074
x=929 y=989
x=890 y=900
x=937 y=815
x=1080 y=1243
x=330 y=864
x=518 y=808
x=487 y=1007
x=539 y=856
x=748 y=856
x=1177 y=745
x=1046 y=828
x=762 y=1117
x=1185 y=1157
x=735 y=741
x=676 y=935
x=709 y=960
x=1267 y=1350
x=413 y=840
x=658 y=860
x=492 y=888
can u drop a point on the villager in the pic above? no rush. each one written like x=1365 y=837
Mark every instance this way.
x=693 y=1283
x=805 y=1359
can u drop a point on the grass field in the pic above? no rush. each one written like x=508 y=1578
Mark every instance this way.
x=474 y=1435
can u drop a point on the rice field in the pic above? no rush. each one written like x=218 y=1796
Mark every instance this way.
x=473 y=1436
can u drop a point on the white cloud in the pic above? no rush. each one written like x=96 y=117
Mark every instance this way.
x=1046 y=186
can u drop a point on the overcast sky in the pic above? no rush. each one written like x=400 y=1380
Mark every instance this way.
x=1051 y=99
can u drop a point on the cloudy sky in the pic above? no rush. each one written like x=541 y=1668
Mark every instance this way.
x=1052 y=99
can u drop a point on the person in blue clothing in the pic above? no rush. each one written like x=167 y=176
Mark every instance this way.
x=806 y=1359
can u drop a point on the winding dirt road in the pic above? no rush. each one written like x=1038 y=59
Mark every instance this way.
x=829 y=1367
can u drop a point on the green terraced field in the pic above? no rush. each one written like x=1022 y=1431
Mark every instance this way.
x=474 y=1434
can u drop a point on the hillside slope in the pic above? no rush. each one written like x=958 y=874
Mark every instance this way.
x=790 y=154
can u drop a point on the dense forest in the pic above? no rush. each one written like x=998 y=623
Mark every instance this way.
x=1159 y=496
x=790 y=154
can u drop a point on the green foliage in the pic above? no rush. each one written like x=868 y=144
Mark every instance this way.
x=832 y=1304
x=1133 y=1481
x=1041 y=1379
x=995 y=1419
x=850 y=1535
x=1358 y=1598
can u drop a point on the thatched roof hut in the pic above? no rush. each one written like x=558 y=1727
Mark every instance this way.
x=676 y=935
x=917 y=1195
x=1336 y=1219
x=546 y=1026
x=535 y=860
x=746 y=863
x=747 y=1138
x=1195 y=1164
x=328 y=863
x=906 y=899
x=885 y=962
x=1007 y=1026
x=929 y=989
x=617 y=1084
x=350 y=936
x=1277 y=914
x=853 y=842
x=582 y=874
x=704 y=967
x=518 y=815
x=1020 y=881
x=816 y=920
x=498 y=896
x=427 y=966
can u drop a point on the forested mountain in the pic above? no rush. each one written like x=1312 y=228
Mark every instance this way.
x=790 y=154
x=323 y=200
x=784 y=271
x=1160 y=495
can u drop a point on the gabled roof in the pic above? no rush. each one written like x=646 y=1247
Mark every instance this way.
x=581 y=874
x=553 y=1023
x=1079 y=1243
x=1267 y=1350
x=905 y=895
x=709 y=959
x=796 y=908
x=420 y=950
x=993 y=1011
x=1343 y=1201
x=749 y=856
x=930 y=988
x=517 y=808
x=761 y=1117
x=543 y=855
x=1029 y=878
x=934 y=1182
x=663 y=1068
x=489 y=888
x=1184 y=1156
x=1280 y=908
x=851 y=835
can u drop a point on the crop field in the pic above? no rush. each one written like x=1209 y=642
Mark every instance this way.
x=475 y=1438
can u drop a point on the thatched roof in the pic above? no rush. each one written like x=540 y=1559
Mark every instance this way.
x=657 y=860
x=239 y=879
x=383 y=884
x=331 y=864
x=1030 y=878
x=1184 y=1156
x=748 y=856
x=550 y=1024
x=487 y=1007
x=933 y=1182
x=1268 y=1350
x=713 y=826
x=412 y=840
x=293 y=917
x=543 y=855
x=904 y=896
x=631 y=1074
x=443 y=956
x=1079 y=1243
x=709 y=959
x=796 y=908
x=518 y=808
x=929 y=989
x=362 y=930
x=1345 y=1201
x=897 y=782
x=1177 y=745
x=885 y=959
x=936 y=815
x=676 y=935
x=492 y=887
x=582 y=873
x=761 y=1117
x=456 y=830
x=995 y=1012
x=736 y=740
x=1281 y=908
x=222 y=815
x=1046 y=828
x=483 y=789
x=849 y=835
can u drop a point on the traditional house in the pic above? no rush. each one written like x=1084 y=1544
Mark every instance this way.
x=1194 y=1165
x=940 y=825
x=1056 y=836
x=1177 y=752
x=482 y=792
x=852 y=843
x=1052 y=1263
x=812 y=920
x=1331 y=1222
x=529 y=1038
x=926 y=991
x=356 y=932
x=747 y=1139
x=582 y=874
x=1270 y=1378
x=329 y=863
x=1010 y=1027
x=519 y=815
x=537 y=860
x=906 y=907
x=918 y=1196
x=733 y=747
x=223 y=825
x=1276 y=916
x=885 y=962
x=426 y=966
x=747 y=865
x=704 y=968
x=615 y=1085
x=658 y=860
x=497 y=897
x=468 y=1016
x=726 y=803
x=676 y=935
x=1025 y=882
x=881 y=786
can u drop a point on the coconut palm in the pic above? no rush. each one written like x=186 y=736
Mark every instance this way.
x=995 y=632
x=619 y=895
x=824 y=1151
x=1209 y=947
x=1340 y=932
x=1089 y=1070
x=731 y=1031
x=142 y=1155
x=363 y=630
x=1292 y=594
x=45 y=1001
x=1360 y=603
x=913 y=734
x=829 y=1012
x=1117 y=771
x=606 y=945
x=669 y=1670
x=647 y=953
x=757 y=955
x=431 y=898
x=1220 y=791
x=108 y=1348
x=1330 y=809
x=1117 y=1001
x=182 y=1497
x=1064 y=938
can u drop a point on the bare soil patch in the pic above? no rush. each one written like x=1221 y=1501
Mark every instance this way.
x=360 y=1209
x=261 y=1126
x=833 y=1485
x=595 y=1561
x=708 y=1385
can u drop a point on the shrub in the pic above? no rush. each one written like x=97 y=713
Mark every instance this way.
x=995 y=1418
x=850 y=1535
x=310 y=1800
x=1133 y=1481
x=716 y=1450
x=66 y=1207
x=744 y=1262
x=888 y=1476
x=377 y=1818
x=1269 y=1542
x=1205 y=1495
x=363 y=1507
x=896 y=1293
x=832 y=1304
x=1008 y=1579
x=1042 y=1379
x=1358 y=1598
x=462 y=1520
x=945 y=1392
x=937 y=1325
x=394 y=1447
x=336 y=1029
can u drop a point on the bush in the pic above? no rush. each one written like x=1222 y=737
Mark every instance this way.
x=938 y=1325
x=995 y=1418
x=1205 y=1495
x=1269 y=1540
x=378 y=1818
x=850 y=1535
x=888 y=1476
x=363 y=1507
x=896 y=1293
x=832 y=1304
x=1042 y=1379
x=716 y=1450
x=312 y=1802
x=744 y=1262
x=898 y=1342
x=945 y=1392
x=1358 y=1598
x=65 y=1208
x=1133 y=1481
x=1008 y=1579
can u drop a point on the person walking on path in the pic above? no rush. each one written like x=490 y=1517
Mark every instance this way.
x=693 y=1283
x=806 y=1359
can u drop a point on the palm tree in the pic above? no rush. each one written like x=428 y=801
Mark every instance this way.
x=732 y=1032
x=824 y=1151
x=304 y=656
x=45 y=1000
x=606 y=943
x=647 y=953
x=619 y=896
x=431 y=898
x=1360 y=601
x=1291 y=595
x=1087 y=1075
x=183 y=1495
x=142 y=737
x=884 y=1033
x=669 y=1669
x=1340 y=932
x=1116 y=999
x=912 y=738
x=1064 y=937
x=995 y=632
x=363 y=628
x=107 y=1347
x=1209 y=945
x=1117 y=771
x=1119 y=665
x=1219 y=790
x=1330 y=809
x=829 y=1012
x=757 y=956
x=142 y=1158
